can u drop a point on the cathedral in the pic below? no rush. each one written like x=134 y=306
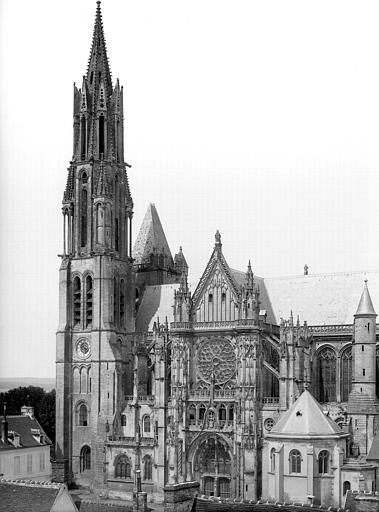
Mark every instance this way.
x=248 y=386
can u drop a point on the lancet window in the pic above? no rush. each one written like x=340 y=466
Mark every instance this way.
x=295 y=461
x=147 y=468
x=326 y=375
x=346 y=374
x=323 y=462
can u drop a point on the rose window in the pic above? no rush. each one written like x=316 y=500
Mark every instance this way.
x=216 y=360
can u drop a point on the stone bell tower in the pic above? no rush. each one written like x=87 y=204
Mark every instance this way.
x=96 y=281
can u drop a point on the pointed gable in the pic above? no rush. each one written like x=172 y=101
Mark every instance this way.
x=216 y=297
x=305 y=418
x=151 y=239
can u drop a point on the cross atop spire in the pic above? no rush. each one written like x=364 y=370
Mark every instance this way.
x=98 y=66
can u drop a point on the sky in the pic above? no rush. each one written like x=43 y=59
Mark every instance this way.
x=257 y=118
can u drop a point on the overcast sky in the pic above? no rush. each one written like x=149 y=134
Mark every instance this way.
x=259 y=118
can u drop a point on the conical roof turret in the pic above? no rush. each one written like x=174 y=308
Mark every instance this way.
x=365 y=307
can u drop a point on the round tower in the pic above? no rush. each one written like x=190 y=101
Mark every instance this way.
x=364 y=348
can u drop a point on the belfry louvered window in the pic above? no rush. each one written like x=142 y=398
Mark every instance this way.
x=89 y=297
x=77 y=299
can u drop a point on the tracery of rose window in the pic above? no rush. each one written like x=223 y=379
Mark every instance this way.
x=216 y=360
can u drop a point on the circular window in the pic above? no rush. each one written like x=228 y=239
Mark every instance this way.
x=269 y=423
x=83 y=348
x=217 y=360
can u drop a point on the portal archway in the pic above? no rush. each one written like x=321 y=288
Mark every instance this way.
x=213 y=467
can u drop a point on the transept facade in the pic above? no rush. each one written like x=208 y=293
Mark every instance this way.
x=159 y=382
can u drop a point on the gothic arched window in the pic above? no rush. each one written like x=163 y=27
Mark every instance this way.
x=146 y=424
x=272 y=460
x=83 y=136
x=101 y=136
x=123 y=468
x=202 y=410
x=89 y=295
x=85 y=458
x=83 y=416
x=326 y=375
x=295 y=461
x=77 y=296
x=115 y=301
x=346 y=374
x=83 y=215
x=323 y=462
x=222 y=415
x=147 y=468
x=231 y=413
x=123 y=420
x=122 y=303
x=192 y=414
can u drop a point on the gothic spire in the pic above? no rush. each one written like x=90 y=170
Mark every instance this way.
x=98 y=66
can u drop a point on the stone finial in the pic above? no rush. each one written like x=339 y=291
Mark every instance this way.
x=218 y=243
x=306 y=269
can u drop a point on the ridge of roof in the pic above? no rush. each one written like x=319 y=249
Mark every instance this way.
x=32 y=483
x=326 y=274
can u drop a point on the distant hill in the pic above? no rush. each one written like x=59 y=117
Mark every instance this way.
x=7 y=384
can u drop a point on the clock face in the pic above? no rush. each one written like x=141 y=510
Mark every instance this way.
x=216 y=360
x=83 y=348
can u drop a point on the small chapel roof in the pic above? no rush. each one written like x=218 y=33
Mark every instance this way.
x=304 y=419
x=151 y=238
x=365 y=306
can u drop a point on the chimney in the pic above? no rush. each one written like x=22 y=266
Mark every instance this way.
x=4 y=431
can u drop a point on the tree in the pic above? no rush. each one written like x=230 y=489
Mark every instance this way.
x=42 y=401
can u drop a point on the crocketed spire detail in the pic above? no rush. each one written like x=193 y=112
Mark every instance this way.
x=98 y=65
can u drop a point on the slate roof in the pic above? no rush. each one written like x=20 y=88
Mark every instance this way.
x=23 y=426
x=157 y=302
x=373 y=453
x=305 y=418
x=320 y=299
x=151 y=238
x=19 y=496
